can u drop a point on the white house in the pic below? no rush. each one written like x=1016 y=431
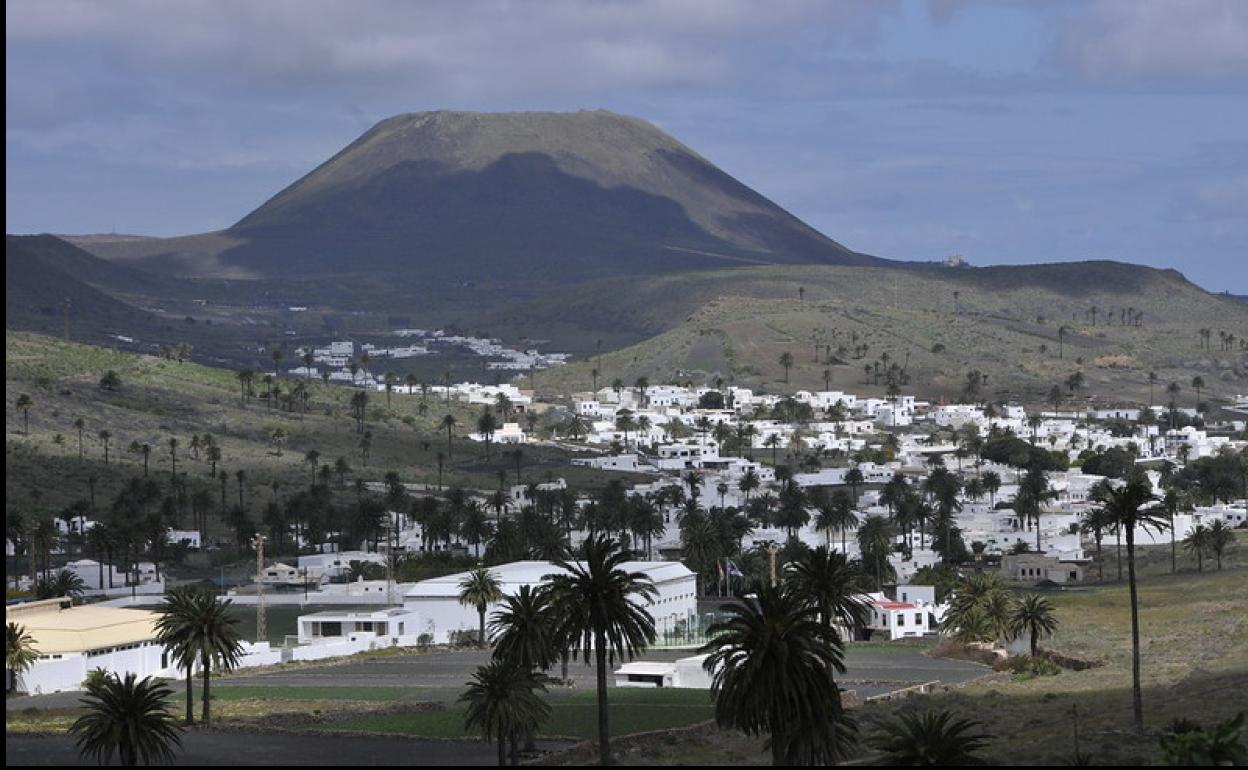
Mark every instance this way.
x=899 y=619
x=393 y=625
x=686 y=673
x=436 y=601
x=335 y=565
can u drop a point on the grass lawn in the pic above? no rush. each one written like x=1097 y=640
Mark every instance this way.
x=226 y=692
x=573 y=714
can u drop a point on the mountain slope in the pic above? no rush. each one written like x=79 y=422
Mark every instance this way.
x=455 y=196
x=43 y=272
x=940 y=324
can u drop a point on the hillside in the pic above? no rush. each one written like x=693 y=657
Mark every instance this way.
x=456 y=196
x=159 y=399
x=43 y=273
x=939 y=323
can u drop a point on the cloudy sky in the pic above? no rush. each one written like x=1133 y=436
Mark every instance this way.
x=1005 y=130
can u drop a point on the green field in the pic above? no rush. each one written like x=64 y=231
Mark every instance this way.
x=573 y=715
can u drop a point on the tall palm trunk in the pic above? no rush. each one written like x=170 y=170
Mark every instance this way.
x=1173 y=548
x=206 y=710
x=1137 y=705
x=190 y=697
x=604 y=736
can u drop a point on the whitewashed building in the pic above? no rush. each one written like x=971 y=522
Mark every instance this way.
x=436 y=601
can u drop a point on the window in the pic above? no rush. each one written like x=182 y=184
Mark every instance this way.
x=901 y=619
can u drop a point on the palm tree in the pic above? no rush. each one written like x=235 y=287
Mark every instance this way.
x=480 y=589
x=824 y=579
x=875 y=541
x=19 y=653
x=194 y=625
x=1035 y=617
x=80 y=425
x=748 y=483
x=598 y=606
x=486 y=425
x=1173 y=389
x=24 y=403
x=105 y=437
x=127 y=718
x=772 y=661
x=64 y=584
x=1096 y=523
x=1126 y=506
x=1220 y=536
x=838 y=514
x=503 y=703
x=979 y=610
x=1171 y=502
x=175 y=632
x=522 y=634
x=853 y=478
x=1197 y=542
x=928 y=739
x=992 y=483
x=786 y=360
x=773 y=442
x=449 y=422
x=521 y=629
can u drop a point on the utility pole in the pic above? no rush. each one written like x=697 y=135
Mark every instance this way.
x=262 y=631
x=391 y=530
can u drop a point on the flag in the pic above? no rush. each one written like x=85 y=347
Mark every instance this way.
x=733 y=571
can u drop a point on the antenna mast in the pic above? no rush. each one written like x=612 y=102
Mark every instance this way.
x=262 y=631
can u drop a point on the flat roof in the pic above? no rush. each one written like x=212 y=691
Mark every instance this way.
x=647 y=668
x=332 y=615
x=519 y=573
x=79 y=629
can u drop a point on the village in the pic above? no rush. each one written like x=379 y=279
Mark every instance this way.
x=990 y=486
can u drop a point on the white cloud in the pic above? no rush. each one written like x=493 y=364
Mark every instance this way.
x=482 y=47
x=1169 y=39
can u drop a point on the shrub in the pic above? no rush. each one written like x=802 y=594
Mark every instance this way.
x=96 y=677
x=1186 y=743
x=1025 y=667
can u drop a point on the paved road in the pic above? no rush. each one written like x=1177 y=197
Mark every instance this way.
x=211 y=747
